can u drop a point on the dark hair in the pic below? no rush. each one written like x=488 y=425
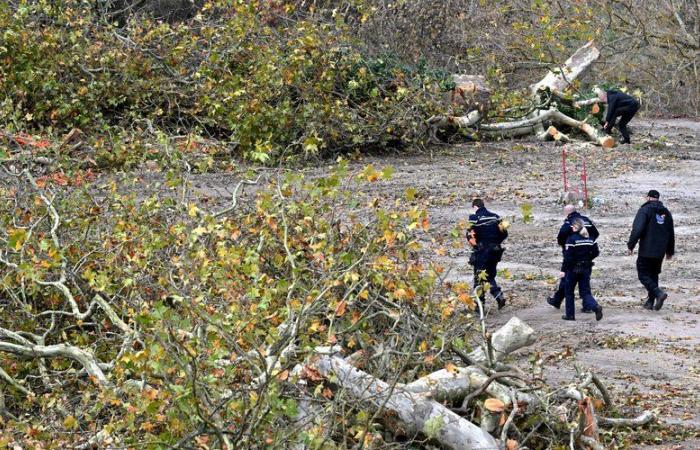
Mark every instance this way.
x=653 y=194
x=479 y=203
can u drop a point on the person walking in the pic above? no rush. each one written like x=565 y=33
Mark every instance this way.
x=570 y=214
x=486 y=234
x=579 y=252
x=653 y=229
x=619 y=105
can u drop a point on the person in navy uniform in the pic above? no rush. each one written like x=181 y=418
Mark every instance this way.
x=486 y=234
x=653 y=229
x=579 y=252
x=619 y=105
x=570 y=214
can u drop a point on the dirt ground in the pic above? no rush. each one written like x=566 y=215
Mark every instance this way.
x=650 y=360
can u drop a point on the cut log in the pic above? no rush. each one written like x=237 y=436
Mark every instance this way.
x=471 y=93
x=559 y=79
x=515 y=334
x=454 y=385
x=418 y=414
x=593 y=133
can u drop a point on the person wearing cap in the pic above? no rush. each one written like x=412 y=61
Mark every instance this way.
x=486 y=234
x=653 y=229
x=619 y=105
x=570 y=214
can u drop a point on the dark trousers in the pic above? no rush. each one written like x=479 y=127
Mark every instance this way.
x=625 y=114
x=582 y=277
x=648 y=270
x=487 y=261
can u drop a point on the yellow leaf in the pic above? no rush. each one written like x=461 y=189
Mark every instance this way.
x=423 y=347
x=70 y=423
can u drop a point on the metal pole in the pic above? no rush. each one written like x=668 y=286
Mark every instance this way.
x=584 y=178
x=563 y=169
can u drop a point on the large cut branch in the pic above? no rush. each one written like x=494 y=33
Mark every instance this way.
x=559 y=79
x=510 y=337
x=418 y=414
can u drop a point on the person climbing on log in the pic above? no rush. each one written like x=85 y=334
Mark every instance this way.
x=486 y=234
x=570 y=214
x=619 y=105
x=579 y=253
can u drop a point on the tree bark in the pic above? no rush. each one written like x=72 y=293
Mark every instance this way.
x=559 y=79
x=418 y=414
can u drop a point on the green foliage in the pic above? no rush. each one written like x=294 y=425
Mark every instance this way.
x=207 y=296
x=287 y=88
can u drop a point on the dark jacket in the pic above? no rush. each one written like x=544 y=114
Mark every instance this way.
x=653 y=229
x=565 y=230
x=579 y=252
x=485 y=227
x=619 y=100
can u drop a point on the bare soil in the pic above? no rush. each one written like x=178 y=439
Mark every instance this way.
x=650 y=360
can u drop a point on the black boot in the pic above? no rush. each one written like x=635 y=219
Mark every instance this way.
x=599 y=313
x=552 y=302
x=649 y=303
x=501 y=300
x=660 y=297
x=565 y=317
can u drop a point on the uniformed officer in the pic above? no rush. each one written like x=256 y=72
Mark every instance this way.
x=653 y=229
x=579 y=252
x=486 y=234
x=570 y=214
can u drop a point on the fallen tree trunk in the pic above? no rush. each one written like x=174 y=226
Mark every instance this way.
x=556 y=81
x=559 y=79
x=417 y=413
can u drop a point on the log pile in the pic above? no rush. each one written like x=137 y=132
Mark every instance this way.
x=544 y=119
x=483 y=405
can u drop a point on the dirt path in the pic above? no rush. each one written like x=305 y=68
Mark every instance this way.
x=651 y=359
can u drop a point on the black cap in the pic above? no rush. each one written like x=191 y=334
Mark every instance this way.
x=653 y=194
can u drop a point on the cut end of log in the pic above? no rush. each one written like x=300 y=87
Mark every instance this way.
x=607 y=142
x=552 y=131
x=494 y=405
x=595 y=109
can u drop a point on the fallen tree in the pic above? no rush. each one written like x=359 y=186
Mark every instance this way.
x=541 y=119
x=426 y=407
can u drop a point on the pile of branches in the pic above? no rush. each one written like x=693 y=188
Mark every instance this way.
x=550 y=111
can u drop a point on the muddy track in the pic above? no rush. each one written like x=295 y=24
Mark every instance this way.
x=652 y=359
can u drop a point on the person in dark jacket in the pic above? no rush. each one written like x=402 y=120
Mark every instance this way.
x=570 y=214
x=486 y=234
x=653 y=229
x=619 y=105
x=579 y=252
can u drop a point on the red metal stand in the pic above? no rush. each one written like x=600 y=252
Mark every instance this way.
x=565 y=155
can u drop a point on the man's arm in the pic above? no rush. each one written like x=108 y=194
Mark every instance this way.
x=671 y=246
x=593 y=231
x=568 y=258
x=564 y=233
x=595 y=251
x=612 y=106
x=638 y=227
